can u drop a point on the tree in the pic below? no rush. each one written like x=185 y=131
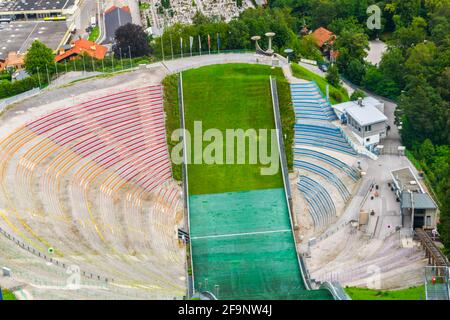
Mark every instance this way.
x=350 y=23
x=38 y=57
x=427 y=151
x=406 y=10
x=355 y=71
x=392 y=67
x=137 y=43
x=423 y=113
x=406 y=37
x=353 y=44
x=333 y=76
x=422 y=61
x=357 y=94
x=307 y=48
x=322 y=13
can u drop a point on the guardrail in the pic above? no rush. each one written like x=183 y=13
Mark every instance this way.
x=86 y=274
x=17 y=98
x=336 y=290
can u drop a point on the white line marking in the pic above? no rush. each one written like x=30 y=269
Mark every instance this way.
x=241 y=234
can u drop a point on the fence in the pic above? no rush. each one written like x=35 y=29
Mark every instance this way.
x=27 y=94
x=54 y=261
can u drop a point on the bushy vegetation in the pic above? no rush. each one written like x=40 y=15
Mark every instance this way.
x=287 y=116
x=337 y=94
x=131 y=40
x=233 y=35
x=413 y=293
x=172 y=110
x=8 y=295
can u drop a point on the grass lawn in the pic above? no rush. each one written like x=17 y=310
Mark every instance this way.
x=8 y=295
x=337 y=95
x=94 y=33
x=414 y=293
x=229 y=96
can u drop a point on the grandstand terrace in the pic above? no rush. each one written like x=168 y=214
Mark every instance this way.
x=323 y=157
x=93 y=181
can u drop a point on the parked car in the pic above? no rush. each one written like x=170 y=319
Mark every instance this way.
x=323 y=67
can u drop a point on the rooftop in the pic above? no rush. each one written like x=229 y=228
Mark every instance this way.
x=30 y=6
x=404 y=179
x=83 y=46
x=18 y=36
x=366 y=114
x=323 y=35
x=116 y=17
x=417 y=201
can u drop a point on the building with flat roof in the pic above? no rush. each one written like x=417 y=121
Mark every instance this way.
x=36 y=9
x=365 y=118
x=417 y=207
x=18 y=36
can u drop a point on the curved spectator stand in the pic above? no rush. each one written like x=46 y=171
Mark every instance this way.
x=314 y=128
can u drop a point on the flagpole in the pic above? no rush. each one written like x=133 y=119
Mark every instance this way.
x=181 y=46
x=209 y=44
x=218 y=43
x=171 y=45
x=162 y=46
x=199 y=46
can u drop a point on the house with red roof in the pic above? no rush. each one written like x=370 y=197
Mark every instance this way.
x=324 y=39
x=79 y=47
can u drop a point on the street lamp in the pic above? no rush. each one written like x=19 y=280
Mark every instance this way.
x=288 y=53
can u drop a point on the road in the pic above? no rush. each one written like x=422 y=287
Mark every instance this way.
x=376 y=50
x=88 y=8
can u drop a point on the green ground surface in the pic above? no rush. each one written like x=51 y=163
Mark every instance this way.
x=337 y=95
x=414 y=293
x=231 y=96
x=8 y=295
x=242 y=242
x=94 y=33
x=241 y=238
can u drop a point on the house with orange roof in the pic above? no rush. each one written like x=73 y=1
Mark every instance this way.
x=79 y=47
x=14 y=60
x=324 y=39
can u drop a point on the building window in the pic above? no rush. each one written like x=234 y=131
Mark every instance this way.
x=368 y=140
x=368 y=128
x=428 y=222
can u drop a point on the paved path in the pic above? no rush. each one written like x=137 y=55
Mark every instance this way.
x=376 y=50
x=319 y=72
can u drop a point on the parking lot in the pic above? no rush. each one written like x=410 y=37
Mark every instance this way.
x=18 y=35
